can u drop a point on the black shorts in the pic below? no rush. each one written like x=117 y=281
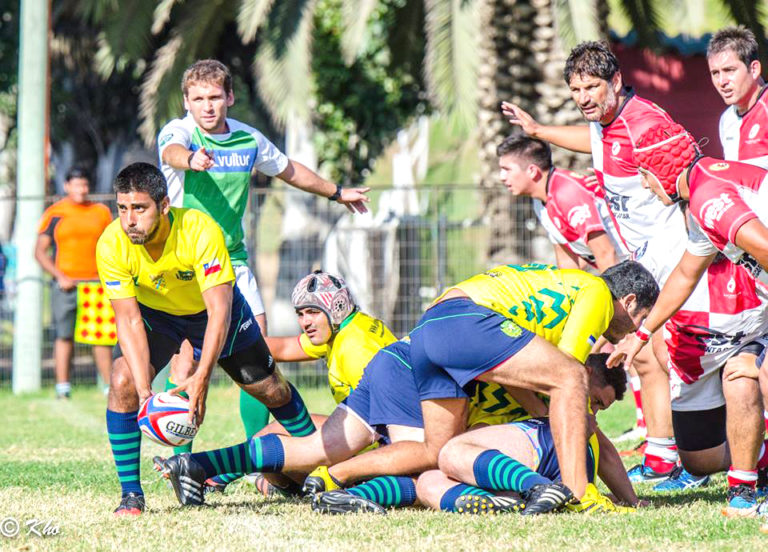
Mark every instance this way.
x=699 y=429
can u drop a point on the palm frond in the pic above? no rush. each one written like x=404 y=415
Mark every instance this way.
x=406 y=41
x=751 y=13
x=452 y=28
x=195 y=36
x=355 y=15
x=577 y=21
x=251 y=16
x=283 y=70
x=125 y=36
x=162 y=14
x=645 y=19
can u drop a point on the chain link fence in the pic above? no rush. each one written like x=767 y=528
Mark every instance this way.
x=396 y=259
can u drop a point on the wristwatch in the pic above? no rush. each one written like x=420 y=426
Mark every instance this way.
x=337 y=193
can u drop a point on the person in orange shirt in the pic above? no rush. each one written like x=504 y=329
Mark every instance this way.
x=70 y=229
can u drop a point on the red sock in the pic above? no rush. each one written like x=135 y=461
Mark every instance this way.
x=661 y=454
x=634 y=382
x=742 y=477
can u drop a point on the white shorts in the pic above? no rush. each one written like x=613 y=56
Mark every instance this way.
x=246 y=283
x=706 y=392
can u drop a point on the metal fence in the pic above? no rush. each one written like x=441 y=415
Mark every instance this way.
x=396 y=260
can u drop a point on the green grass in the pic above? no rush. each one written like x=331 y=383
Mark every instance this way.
x=55 y=465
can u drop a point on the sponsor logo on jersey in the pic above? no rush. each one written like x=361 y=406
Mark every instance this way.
x=112 y=284
x=639 y=252
x=714 y=209
x=731 y=286
x=185 y=275
x=164 y=139
x=232 y=160
x=751 y=265
x=212 y=267
x=578 y=215
x=511 y=329
x=753 y=131
x=619 y=204
x=615 y=148
x=246 y=325
x=718 y=166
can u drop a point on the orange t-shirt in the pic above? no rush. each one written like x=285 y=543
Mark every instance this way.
x=74 y=230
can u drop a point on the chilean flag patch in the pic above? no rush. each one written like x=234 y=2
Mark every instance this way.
x=213 y=267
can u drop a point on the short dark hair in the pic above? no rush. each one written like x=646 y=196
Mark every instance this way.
x=593 y=59
x=530 y=149
x=207 y=71
x=739 y=39
x=615 y=377
x=632 y=277
x=142 y=177
x=77 y=172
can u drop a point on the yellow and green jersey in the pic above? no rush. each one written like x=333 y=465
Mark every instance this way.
x=359 y=338
x=221 y=191
x=569 y=308
x=194 y=259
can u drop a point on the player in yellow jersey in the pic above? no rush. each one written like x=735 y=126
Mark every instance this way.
x=168 y=275
x=483 y=329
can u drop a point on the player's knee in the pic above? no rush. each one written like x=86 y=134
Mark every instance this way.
x=448 y=457
x=121 y=378
x=272 y=391
x=741 y=392
x=427 y=486
x=702 y=462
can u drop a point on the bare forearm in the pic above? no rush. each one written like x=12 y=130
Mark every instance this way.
x=574 y=138
x=401 y=458
x=132 y=338
x=213 y=342
x=177 y=156
x=303 y=178
x=611 y=470
x=286 y=349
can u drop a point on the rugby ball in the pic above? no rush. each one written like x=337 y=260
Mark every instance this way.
x=163 y=418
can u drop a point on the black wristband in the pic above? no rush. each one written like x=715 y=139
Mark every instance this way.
x=189 y=159
x=337 y=194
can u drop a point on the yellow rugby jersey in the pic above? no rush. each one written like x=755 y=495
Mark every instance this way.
x=569 y=308
x=490 y=404
x=194 y=259
x=359 y=338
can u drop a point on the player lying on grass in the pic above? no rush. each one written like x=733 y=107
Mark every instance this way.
x=333 y=328
x=167 y=273
x=525 y=462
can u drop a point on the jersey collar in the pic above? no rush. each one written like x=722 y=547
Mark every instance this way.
x=757 y=101
x=348 y=319
x=629 y=94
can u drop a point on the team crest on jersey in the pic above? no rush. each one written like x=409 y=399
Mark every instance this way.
x=615 y=148
x=164 y=140
x=158 y=281
x=578 y=215
x=714 y=209
x=511 y=329
x=731 y=287
x=753 y=131
x=718 y=166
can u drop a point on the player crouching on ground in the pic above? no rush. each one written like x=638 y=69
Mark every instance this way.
x=168 y=275
x=728 y=213
x=517 y=457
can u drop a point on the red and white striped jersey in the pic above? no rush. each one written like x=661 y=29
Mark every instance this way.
x=725 y=311
x=723 y=197
x=573 y=211
x=642 y=217
x=745 y=137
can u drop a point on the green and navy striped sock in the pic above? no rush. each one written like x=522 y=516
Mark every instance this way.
x=448 y=500
x=497 y=471
x=125 y=442
x=225 y=461
x=294 y=416
x=168 y=386
x=387 y=490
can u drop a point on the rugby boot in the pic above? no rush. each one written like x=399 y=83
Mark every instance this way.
x=187 y=478
x=343 y=502
x=643 y=474
x=594 y=502
x=320 y=481
x=131 y=504
x=542 y=499
x=486 y=505
x=742 y=502
x=681 y=480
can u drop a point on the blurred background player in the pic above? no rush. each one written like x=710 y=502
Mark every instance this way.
x=654 y=233
x=66 y=249
x=208 y=160
x=734 y=65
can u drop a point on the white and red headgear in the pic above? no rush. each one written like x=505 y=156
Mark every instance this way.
x=326 y=292
x=665 y=150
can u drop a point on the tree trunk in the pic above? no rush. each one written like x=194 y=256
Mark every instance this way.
x=522 y=61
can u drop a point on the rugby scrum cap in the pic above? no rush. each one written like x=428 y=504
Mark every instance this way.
x=665 y=150
x=326 y=292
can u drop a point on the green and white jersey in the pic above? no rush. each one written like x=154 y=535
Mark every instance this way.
x=222 y=191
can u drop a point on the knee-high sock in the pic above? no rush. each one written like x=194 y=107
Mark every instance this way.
x=125 y=442
x=258 y=454
x=387 y=490
x=497 y=471
x=294 y=416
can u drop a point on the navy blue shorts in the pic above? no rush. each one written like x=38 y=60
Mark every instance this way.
x=166 y=332
x=386 y=394
x=456 y=341
x=539 y=432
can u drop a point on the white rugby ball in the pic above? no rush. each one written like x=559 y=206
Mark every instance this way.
x=163 y=418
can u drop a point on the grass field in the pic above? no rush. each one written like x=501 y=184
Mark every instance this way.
x=55 y=467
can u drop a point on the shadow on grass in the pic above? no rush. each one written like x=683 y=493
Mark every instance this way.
x=714 y=494
x=258 y=505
